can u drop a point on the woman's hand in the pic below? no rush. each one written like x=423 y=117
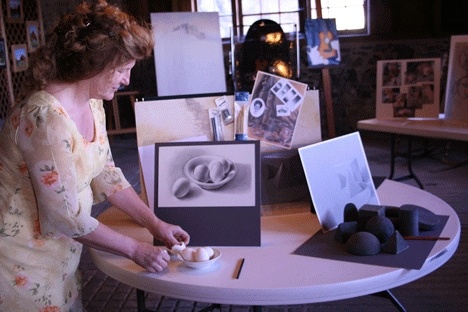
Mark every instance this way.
x=151 y=258
x=169 y=234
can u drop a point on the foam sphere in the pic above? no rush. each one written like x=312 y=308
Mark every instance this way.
x=363 y=244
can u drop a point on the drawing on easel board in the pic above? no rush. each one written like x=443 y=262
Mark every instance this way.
x=323 y=46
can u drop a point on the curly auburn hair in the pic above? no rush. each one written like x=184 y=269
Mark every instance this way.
x=95 y=36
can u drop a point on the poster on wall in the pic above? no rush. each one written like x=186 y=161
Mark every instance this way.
x=323 y=47
x=456 y=96
x=188 y=53
x=274 y=109
x=408 y=88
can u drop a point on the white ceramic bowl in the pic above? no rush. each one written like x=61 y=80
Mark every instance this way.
x=201 y=264
x=205 y=160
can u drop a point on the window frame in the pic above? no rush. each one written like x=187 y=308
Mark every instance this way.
x=304 y=12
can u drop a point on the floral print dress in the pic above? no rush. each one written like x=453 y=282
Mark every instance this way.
x=50 y=176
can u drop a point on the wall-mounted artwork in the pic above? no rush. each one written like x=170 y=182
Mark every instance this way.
x=32 y=35
x=14 y=11
x=456 y=97
x=408 y=88
x=3 y=55
x=211 y=189
x=323 y=47
x=20 y=59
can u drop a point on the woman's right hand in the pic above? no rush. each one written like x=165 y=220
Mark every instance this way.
x=150 y=257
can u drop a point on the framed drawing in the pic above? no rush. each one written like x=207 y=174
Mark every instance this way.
x=32 y=35
x=3 y=56
x=19 y=54
x=408 y=88
x=456 y=96
x=14 y=11
x=211 y=189
x=323 y=47
x=337 y=173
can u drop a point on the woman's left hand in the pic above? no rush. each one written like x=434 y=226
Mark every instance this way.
x=169 y=234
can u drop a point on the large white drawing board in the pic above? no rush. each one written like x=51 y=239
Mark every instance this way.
x=188 y=53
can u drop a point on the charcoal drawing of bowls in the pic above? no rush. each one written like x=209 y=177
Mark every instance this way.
x=220 y=171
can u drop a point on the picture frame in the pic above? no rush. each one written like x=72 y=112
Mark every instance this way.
x=3 y=54
x=456 y=94
x=211 y=189
x=337 y=173
x=15 y=11
x=32 y=35
x=20 y=58
x=408 y=88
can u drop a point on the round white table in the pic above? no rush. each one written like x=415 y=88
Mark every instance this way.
x=272 y=274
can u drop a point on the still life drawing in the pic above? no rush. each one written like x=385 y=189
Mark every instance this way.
x=408 y=88
x=205 y=174
x=210 y=189
x=323 y=46
x=337 y=174
x=274 y=109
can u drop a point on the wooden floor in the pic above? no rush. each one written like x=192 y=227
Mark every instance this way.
x=441 y=166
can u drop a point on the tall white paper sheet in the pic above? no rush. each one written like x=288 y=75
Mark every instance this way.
x=188 y=53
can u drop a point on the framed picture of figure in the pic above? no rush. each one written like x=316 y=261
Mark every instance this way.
x=19 y=53
x=32 y=35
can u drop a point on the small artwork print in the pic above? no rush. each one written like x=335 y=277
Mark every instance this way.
x=32 y=32
x=337 y=174
x=14 y=11
x=456 y=97
x=408 y=88
x=323 y=46
x=274 y=109
x=2 y=53
x=19 y=54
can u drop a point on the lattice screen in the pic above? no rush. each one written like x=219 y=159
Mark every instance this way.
x=13 y=31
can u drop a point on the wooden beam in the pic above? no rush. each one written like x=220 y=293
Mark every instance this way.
x=326 y=80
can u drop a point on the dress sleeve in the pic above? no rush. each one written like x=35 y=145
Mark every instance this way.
x=45 y=136
x=110 y=180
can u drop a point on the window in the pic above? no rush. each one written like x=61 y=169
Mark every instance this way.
x=342 y=10
x=288 y=13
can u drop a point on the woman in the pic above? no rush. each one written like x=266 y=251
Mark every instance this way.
x=55 y=161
